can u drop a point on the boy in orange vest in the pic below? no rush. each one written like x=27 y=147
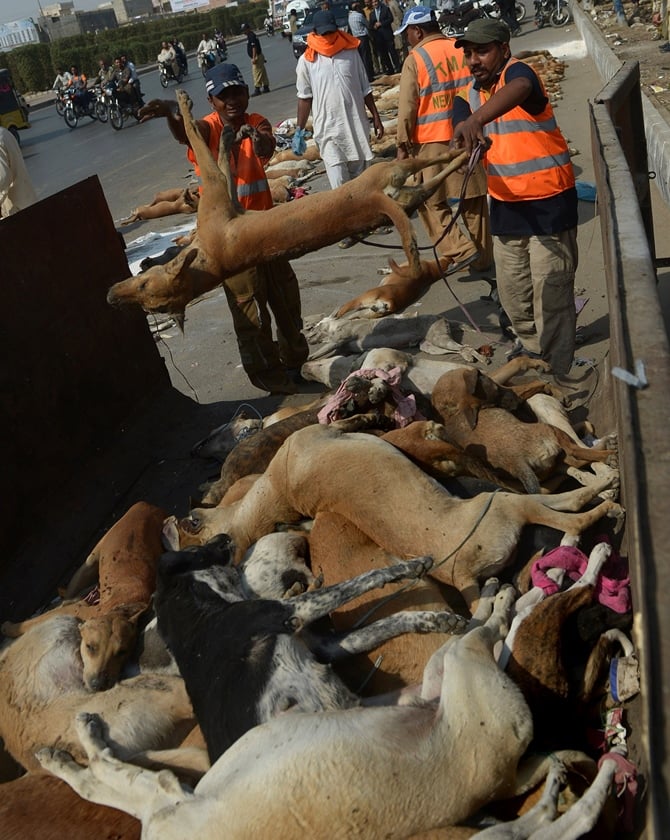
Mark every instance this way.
x=270 y=366
x=533 y=200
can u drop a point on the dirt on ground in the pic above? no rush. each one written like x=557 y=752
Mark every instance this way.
x=641 y=40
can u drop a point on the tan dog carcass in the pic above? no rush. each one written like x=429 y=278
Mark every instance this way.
x=228 y=241
x=124 y=562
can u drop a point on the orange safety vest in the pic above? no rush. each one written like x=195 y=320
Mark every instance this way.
x=246 y=167
x=441 y=72
x=529 y=158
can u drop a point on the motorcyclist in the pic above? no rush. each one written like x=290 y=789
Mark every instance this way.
x=134 y=77
x=79 y=84
x=269 y=25
x=180 y=53
x=125 y=89
x=168 y=58
x=206 y=47
x=105 y=72
x=62 y=80
x=221 y=47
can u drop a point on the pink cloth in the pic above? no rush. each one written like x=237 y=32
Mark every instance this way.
x=405 y=411
x=612 y=589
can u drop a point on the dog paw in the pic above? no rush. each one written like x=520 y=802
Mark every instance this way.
x=490 y=588
x=418 y=567
x=448 y=622
x=618 y=514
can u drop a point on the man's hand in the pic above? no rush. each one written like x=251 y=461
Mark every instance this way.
x=468 y=133
x=156 y=108
x=379 y=127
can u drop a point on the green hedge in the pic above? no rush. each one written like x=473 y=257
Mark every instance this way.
x=34 y=66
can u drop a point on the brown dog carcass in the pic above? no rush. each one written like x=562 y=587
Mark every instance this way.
x=476 y=413
x=320 y=468
x=229 y=241
x=559 y=673
x=339 y=551
x=124 y=562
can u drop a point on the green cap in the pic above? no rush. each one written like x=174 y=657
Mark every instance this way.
x=484 y=31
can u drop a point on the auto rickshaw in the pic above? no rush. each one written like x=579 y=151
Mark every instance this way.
x=13 y=110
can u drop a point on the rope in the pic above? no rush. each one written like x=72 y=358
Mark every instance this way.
x=405 y=587
x=475 y=156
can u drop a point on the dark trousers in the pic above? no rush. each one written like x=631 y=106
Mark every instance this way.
x=366 y=56
x=386 y=51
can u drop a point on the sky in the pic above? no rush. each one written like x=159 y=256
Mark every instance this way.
x=20 y=9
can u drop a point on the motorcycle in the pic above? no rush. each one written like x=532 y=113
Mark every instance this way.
x=221 y=47
x=492 y=10
x=166 y=73
x=555 y=12
x=118 y=110
x=455 y=17
x=60 y=102
x=206 y=60
x=269 y=28
x=74 y=109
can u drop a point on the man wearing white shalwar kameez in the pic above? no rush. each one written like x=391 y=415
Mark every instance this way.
x=333 y=85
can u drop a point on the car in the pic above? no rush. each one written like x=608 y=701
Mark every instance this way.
x=341 y=12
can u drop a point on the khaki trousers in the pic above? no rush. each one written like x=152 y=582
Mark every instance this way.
x=251 y=296
x=259 y=74
x=536 y=285
x=437 y=212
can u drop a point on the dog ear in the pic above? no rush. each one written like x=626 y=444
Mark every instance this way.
x=133 y=612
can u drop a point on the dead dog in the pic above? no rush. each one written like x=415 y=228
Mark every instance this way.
x=42 y=689
x=390 y=771
x=321 y=468
x=124 y=565
x=228 y=241
x=245 y=661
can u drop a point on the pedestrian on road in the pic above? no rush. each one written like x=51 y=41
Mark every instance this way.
x=381 y=29
x=16 y=188
x=532 y=192
x=333 y=85
x=358 y=25
x=252 y=294
x=432 y=74
x=258 y=72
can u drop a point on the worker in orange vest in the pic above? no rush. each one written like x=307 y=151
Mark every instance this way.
x=533 y=199
x=432 y=74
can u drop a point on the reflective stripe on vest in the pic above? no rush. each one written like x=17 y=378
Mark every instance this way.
x=529 y=158
x=440 y=75
x=253 y=191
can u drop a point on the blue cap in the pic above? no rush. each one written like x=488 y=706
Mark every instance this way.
x=324 y=22
x=415 y=17
x=222 y=76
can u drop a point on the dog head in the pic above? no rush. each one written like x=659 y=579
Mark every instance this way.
x=162 y=288
x=106 y=643
x=466 y=390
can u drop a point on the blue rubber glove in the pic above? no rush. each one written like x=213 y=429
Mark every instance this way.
x=299 y=144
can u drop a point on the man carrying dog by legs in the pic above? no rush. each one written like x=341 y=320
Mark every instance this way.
x=532 y=187
x=270 y=366
x=432 y=74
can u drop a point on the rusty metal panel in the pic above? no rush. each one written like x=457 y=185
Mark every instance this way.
x=638 y=335
x=74 y=370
